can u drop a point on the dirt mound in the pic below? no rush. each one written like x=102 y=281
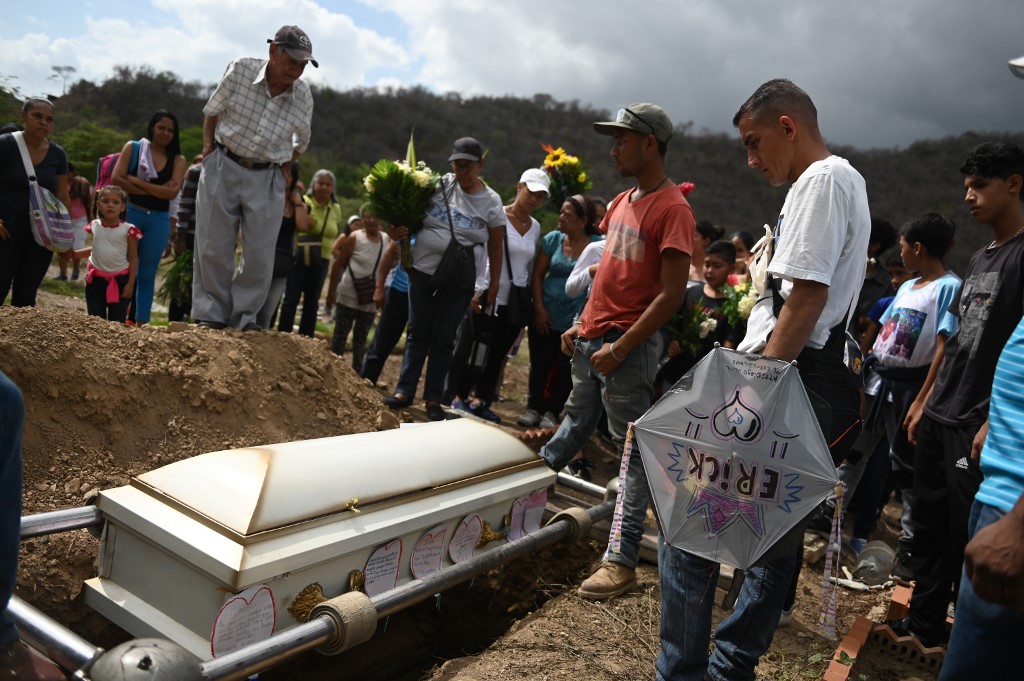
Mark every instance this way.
x=104 y=402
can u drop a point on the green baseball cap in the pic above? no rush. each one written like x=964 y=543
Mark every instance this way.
x=646 y=119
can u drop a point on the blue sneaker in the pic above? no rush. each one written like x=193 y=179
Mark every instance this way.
x=459 y=405
x=483 y=411
x=857 y=545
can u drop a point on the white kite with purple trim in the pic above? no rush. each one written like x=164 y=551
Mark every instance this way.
x=734 y=457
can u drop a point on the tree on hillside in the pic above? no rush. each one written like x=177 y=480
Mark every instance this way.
x=62 y=73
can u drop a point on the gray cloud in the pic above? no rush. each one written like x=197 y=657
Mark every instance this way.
x=882 y=73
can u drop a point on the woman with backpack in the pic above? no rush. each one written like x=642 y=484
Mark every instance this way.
x=152 y=182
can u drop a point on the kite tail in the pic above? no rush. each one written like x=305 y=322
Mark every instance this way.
x=827 y=616
x=615 y=536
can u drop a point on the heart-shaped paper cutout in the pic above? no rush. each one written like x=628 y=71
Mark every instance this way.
x=382 y=566
x=535 y=505
x=465 y=539
x=515 y=526
x=428 y=552
x=246 y=618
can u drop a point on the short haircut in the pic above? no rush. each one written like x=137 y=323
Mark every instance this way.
x=883 y=233
x=994 y=159
x=778 y=97
x=934 y=231
x=725 y=250
x=707 y=230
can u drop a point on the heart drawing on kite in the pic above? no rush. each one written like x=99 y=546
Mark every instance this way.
x=737 y=421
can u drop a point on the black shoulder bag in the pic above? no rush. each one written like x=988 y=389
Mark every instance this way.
x=519 y=309
x=456 y=273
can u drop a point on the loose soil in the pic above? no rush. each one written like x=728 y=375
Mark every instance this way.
x=106 y=402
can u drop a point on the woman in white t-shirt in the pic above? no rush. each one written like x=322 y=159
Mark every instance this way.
x=463 y=206
x=357 y=257
x=473 y=381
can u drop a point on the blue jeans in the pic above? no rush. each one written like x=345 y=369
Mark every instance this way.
x=12 y=416
x=687 y=595
x=434 y=318
x=986 y=637
x=393 y=318
x=155 y=226
x=626 y=394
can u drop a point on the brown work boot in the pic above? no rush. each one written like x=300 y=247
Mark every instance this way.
x=608 y=581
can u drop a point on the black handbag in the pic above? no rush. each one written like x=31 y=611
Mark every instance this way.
x=519 y=309
x=456 y=273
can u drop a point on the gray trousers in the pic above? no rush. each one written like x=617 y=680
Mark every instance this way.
x=232 y=199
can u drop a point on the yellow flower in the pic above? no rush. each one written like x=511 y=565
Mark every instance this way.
x=555 y=158
x=581 y=178
x=572 y=160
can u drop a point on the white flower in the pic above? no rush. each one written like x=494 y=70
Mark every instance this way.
x=707 y=326
x=746 y=303
x=368 y=183
x=422 y=177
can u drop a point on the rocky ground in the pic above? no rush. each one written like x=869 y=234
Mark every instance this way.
x=106 y=402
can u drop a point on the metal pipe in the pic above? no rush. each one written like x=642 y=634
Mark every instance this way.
x=60 y=521
x=287 y=644
x=63 y=646
x=580 y=485
x=418 y=590
x=242 y=663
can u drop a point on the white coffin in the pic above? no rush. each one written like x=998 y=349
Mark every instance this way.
x=181 y=541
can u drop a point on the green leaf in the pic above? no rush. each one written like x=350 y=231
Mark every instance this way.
x=815 y=658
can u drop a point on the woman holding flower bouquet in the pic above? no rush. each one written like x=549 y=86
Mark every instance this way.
x=467 y=210
x=555 y=311
x=513 y=310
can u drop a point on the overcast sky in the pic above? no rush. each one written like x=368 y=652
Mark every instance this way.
x=882 y=73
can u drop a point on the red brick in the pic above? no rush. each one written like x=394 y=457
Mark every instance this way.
x=837 y=672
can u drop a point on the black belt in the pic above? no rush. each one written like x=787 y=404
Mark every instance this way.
x=242 y=161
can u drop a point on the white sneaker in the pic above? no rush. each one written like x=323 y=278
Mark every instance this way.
x=549 y=420
x=529 y=419
x=786 y=618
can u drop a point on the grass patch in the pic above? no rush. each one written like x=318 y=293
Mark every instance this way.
x=71 y=289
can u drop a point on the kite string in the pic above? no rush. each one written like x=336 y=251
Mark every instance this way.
x=827 y=616
x=615 y=536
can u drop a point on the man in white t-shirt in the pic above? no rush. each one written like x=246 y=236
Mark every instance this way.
x=821 y=239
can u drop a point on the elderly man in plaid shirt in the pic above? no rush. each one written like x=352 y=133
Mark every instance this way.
x=257 y=122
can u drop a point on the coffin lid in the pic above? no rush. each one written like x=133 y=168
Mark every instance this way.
x=257 y=489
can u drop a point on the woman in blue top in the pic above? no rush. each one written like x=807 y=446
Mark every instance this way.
x=149 y=201
x=554 y=311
